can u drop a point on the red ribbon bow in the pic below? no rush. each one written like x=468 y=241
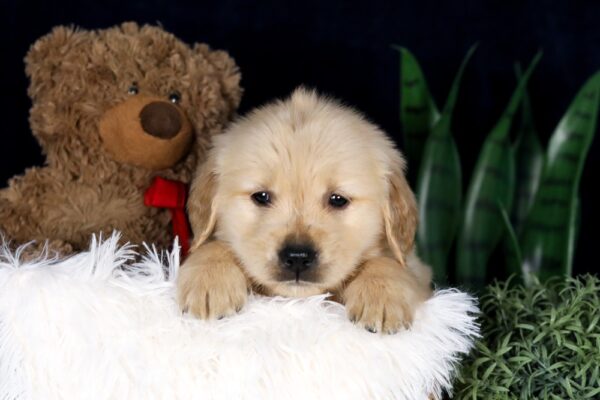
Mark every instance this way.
x=165 y=193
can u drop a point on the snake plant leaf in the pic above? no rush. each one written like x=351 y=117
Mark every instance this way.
x=418 y=112
x=577 y=220
x=529 y=162
x=492 y=182
x=573 y=233
x=514 y=251
x=439 y=187
x=549 y=229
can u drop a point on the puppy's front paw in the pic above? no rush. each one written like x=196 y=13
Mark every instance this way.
x=377 y=309
x=384 y=297
x=212 y=291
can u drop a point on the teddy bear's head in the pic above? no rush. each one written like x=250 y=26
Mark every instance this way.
x=127 y=97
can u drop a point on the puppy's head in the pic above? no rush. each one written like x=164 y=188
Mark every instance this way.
x=304 y=190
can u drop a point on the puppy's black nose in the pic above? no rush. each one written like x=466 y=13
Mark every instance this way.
x=297 y=257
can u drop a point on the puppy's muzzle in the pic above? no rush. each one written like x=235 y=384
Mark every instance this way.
x=296 y=259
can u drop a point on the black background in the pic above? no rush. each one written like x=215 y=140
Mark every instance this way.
x=343 y=48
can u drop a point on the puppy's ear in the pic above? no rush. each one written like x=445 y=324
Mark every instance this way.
x=201 y=204
x=400 y=213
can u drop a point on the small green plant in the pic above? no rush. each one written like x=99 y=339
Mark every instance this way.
x=539 y=342
x=519 y=196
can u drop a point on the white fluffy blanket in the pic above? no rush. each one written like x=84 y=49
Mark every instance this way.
x=98 y=325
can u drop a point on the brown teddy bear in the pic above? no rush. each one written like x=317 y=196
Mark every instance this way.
x=112 y=110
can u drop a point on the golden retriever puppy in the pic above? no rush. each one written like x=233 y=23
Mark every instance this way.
x=302 y=197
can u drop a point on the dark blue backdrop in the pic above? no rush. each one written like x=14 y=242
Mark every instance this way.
x=343 y=48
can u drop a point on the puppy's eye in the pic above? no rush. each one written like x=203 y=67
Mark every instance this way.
x=262 y=199
x=338 y=201
x=175 y=97
x=133 y=89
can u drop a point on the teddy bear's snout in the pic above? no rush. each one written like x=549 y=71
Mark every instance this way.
x=160 y=119
x=146 y=131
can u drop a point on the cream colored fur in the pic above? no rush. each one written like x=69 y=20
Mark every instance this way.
x=302 y=150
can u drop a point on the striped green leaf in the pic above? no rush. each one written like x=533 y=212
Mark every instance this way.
x=529 y=162
x=492 y=182
x=418 y=112
x=515 y=261
x=577 y=220
x=573 y=233
x=547 y=238
x=439 y=187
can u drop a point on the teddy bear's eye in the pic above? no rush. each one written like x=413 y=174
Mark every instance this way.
x=174 y=97
x=133 y=89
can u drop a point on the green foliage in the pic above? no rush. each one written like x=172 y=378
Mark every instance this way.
x=548 y=234
x=539 y=342
x=418 y=112
x=493 y=180
x=439 y=186
x=537 y=189
x=514 y=256
x=529 y=162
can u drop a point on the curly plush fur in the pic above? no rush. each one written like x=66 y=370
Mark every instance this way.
x=77 y=76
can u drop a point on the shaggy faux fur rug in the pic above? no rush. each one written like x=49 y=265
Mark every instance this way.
x=99 y=325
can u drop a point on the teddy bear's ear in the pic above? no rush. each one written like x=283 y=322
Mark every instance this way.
x=50 y=57
x=227 y=72
x=130 y=28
